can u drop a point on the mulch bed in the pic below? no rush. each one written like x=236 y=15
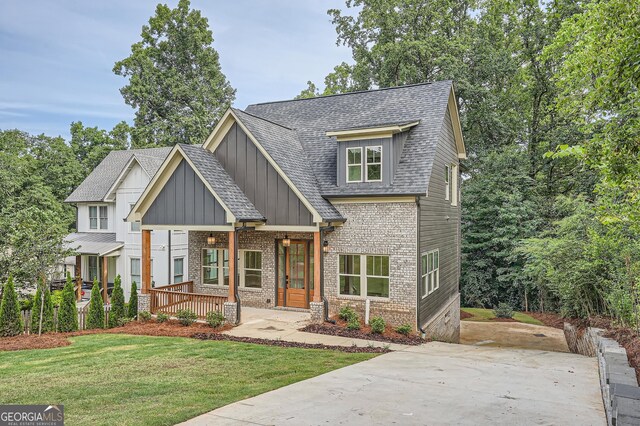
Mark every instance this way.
x=465 y=315
x=285 y=344
x=549 y=319
x=340 y=329
x=496 y=319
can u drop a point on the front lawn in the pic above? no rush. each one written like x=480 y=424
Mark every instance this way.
x=479 y=314
x=107 y=379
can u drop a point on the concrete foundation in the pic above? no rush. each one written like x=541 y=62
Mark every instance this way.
x=445 y=326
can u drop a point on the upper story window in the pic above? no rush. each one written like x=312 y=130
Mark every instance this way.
x=374 y=163
x=354 y=164
x=135 y=226
x=367 y=167
x=98 y=218
x=447 y=182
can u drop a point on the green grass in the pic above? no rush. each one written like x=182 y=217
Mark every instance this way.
x=480 y=314
x=113 y=379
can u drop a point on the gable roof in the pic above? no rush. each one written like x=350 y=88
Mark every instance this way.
x=96 y=186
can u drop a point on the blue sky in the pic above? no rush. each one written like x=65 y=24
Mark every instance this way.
x=56 y=58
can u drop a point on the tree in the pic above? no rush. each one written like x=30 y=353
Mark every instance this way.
x=96 y=308
x=175 y=81
x=133 y=302
x=117 y=311
x=68 y=313
x=91 y=145
x=10 y=316
x=42 y=311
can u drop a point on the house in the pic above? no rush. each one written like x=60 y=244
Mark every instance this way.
x=317 y=204
x=105 y=243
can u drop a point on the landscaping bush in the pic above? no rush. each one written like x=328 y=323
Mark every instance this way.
x=215 y=319
x=161 y=317
x=10 y=316
x=353 y=323
x=186 y=316
x=117 y=303
x=27 y=303
x=68 y=313
x=123 y=321
x=347 y=313
x=404 y=329
x=377 y=325
x=96 y=308
x=47 y=310
x=133 y=302
x=56 y=297
x=503 y=310
x=144 y=316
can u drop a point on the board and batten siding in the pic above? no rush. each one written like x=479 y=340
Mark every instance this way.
x=185 y=200
x=439 y=228
x=260 y=181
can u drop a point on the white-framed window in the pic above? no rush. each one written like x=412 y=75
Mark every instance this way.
x=94 y=268
x=454 y=184
x=354 y=164
x=430 y=272
x=447 y=182
x=135 y=272
x=178 y=270
x=364 y=275
x=373 y=162
x=135 y=226
x=98 y=218
x=251 y=268
x=215 y=266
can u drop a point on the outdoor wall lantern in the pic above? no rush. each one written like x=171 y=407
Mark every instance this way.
x=211 y=240
x=286 y=242
x=325 y=246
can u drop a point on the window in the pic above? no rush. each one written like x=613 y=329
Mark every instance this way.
x=94 y=268
x=454 y=185
x=447 y=182
x=251 y=269
x=215 y=266
x=98 y=217
x=136 y=274
x=430 y=272
x=103 y=217
x=135 y=226
x=354 y=164
x=93 y=217
x=372 y=280
x=374 y=163
x=178 y=270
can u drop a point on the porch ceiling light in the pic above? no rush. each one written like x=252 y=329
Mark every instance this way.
x=211 y=240
x=286 y=242
x=325 y=246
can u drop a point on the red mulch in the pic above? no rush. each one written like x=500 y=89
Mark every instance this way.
x=340 y=329
x=549 y=319
x=464 y=315
x=496 y=319
x=285 y=344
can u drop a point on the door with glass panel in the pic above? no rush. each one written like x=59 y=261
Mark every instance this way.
x=294 y=263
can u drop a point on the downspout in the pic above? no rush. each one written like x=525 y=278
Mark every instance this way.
x=423 y=333
x=169 y=256
x=237 y=269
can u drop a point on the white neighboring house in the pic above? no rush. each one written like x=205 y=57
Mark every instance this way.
x=103 y=200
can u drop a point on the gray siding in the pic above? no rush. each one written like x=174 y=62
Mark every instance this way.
x=398 y=144
x=438 y=232
x=260 y=181
x=185 y=200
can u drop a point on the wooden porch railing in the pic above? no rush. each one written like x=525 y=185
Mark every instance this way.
x=171 y=298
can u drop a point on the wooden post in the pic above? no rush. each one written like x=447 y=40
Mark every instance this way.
x=79 y=277
x=105 y=277
x=146 y=261
x=232 y=266
x=317 y=256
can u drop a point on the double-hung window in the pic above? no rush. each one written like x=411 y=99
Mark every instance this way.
x=136 y=274
x=178 y=270
x=364 y=275
x=98 y=218
x=430 y=272
x=251 y=268
x=215 y=266
x=374 y=163
x=94 y=268
x=354 y=164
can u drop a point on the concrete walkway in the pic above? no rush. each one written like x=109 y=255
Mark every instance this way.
x=512 y=335
x=434 y=384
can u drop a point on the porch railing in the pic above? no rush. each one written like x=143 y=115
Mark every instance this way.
x=169 y=299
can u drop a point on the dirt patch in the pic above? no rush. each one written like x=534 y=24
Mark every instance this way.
x=340 y=329
x=286 y=344
x=465 y=315
x=548 y=318
x=503 y=319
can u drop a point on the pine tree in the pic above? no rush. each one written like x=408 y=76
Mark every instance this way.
x=10 y=317
x=68 y=313
x=133 y=301
x=96 y=308
x=42 y=304
x=117 y=303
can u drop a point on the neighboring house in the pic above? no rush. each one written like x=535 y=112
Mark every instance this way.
x=105 y=243
x=318 y=204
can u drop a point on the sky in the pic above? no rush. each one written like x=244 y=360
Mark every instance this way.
x=56 y=58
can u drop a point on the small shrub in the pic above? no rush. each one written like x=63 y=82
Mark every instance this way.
x=26 y=304
x=353 y=323
x=503 y=310
x=161 y=317
x=404 y=329
x=215 y=319
x=144 y=316
x=68 y=313
x=117 y=303
x=56 y=297
x=133 y=302
x=347 y=313
x=186 y=316
x=10 y=316
x=123 y=321
x=96 y=308
x=377 y=325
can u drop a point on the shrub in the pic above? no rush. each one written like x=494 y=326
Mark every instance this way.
x=26 y=304
x=10 y=315
x=404 y=329
x=347 y=313
x=215 y=319
x=503 y=310
x=68 y=313
x=123 y=321
x=117 y=303
x=43 y=298
x=377 y=325
x=56 y=297
x=353 y=323
x=186 y=316
x=144 y=316
x=133 y=302
x=96 y=308
x=161 y=317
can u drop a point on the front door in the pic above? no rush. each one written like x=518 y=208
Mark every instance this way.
x=293 y=279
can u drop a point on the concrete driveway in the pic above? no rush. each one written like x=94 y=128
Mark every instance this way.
x=512 y=335
x=434 y=384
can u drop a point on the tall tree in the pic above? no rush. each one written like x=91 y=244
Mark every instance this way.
x=91 y=145
x=175 y=81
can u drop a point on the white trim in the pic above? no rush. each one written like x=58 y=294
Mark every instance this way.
x=429 y=280
x=452 y=105
x=211 y=228
x=454 y=185
x=447 y=182
x=98 y=206
x=125 y=171
x=359 y=148
x=173 y=268
x=370 y=132
x=373 y=199
x=220 y=266
x=363 y=278
x=242 y=269
x=366 y=163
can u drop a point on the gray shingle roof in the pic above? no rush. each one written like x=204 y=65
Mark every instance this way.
x=96 y=186
x=312 y=118
x=211 y=169
x=97 y=243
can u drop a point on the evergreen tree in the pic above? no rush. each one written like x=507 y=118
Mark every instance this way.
x=133 y=301
x=42 y=304
x=10 y=316
x=68 y=313
x=117 y=303
x=96 y=308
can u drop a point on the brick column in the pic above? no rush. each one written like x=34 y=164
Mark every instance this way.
x=146 y=261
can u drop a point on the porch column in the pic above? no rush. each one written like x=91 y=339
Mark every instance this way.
x=105 y=276
x=79 y=277
x=317 y=259
x=232 y=266
x=146 y=261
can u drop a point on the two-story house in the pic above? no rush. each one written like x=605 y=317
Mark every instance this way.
x=316 y=204
x=106 y=244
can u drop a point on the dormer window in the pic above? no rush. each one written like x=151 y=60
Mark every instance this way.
x=374 y=163
x=367 y=167
x=354 y=164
